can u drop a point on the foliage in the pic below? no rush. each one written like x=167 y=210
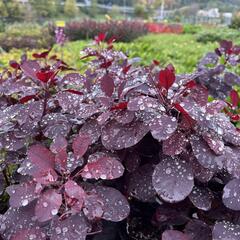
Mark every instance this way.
x=70 y=8
x=236 y=21
x=165 y=28
x=124 y=31
x=79 y=140
x=216 y=35
x=45 y=8
x=10 y=10
x=191 y=29
x=25 y=36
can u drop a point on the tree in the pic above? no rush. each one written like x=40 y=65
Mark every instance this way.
x=70 y=8
x=10 y=10
x=45 y=8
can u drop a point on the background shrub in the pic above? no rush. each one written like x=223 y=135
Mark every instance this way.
x=26 y=36
x=213 y=35
x=236 y=21
x=192 y=29
x=165 y=28
x=125 y=31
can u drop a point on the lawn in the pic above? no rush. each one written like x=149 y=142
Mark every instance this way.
x=181 y=50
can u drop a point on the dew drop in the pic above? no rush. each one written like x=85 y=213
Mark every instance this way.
x=25 y=202
x=54 y=212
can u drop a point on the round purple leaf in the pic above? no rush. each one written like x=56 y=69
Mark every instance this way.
x=116 y=207
x=31 y=234
x=55 y=124
x=205 y=156
x=16 y=219
x=173 y=179
x=174 y=235
x=231 y=195
x=201 y=198
x=74 y=227
x=200 y=173
x=232 y=161
x=92 y=129
x=198 y=230
x=22 y=194
x=175 y=144
x=162 y=127
x=226 y=231
x=102 y=167
x=116 y=136
x=143 y=103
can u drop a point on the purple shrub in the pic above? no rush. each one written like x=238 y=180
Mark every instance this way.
x=86 y=148
x=123 y=31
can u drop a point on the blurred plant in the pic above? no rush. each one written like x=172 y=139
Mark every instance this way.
x=60 y=36
x=124 y=31
x=236 y=21
x=70 y=8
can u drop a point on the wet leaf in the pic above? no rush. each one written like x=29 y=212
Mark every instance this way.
x=173 y=179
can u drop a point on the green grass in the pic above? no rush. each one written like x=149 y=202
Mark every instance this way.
x=183 y=51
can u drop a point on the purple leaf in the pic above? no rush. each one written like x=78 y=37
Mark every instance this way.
x=201 y=198
x=55 y=124
x=198 y=230
x=17 y=219
x=22 y=194
x=41 y=157
x=104 y=117
x=30 y=68
x=48 y=205
x=59 y=148
x=214 y=142
x=226 y=230
x=93 y=206
x=216 y=106
x=205 y=155
x=107 y=85
x=74 y=191
x=31 y=233
x=142 y=103
x=116 y=136
x=174 y=235
x=92 y=129
x=199 y=94
x=132 y=161
x=173 y=179
x=80 y=145
x=162 y=127
x=139 y=184
x=102 y=167
x=124 y=116
x=232 y=161
x=200 y=173
x=74 y=227
x=231 y=195
x=175 y=144
x=116 y=207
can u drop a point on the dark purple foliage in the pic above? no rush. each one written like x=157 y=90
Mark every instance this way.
x=215 y=70
x=78 y=150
